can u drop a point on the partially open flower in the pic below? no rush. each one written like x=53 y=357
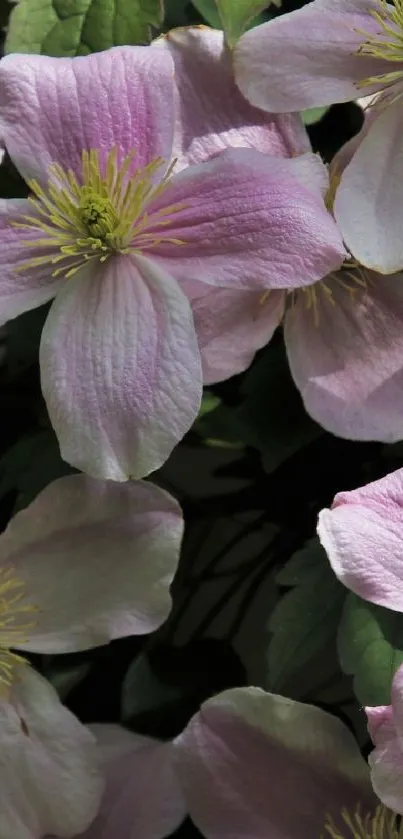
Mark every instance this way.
x=86 y=562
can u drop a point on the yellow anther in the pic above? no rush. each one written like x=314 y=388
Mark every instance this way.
x=380 y=824
x=106 y=210
x=387 y=45
x=16 y=620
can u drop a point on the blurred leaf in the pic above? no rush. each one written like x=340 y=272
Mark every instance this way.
x=238 y=15
x=271 y=416
x=209 y=403
x=370 y=643
x=208 y=10
x=23 y=335
x=304 y=623
x=30 y=465
x=65 y=672
x=312 y=115
x=79 y=27
x=143 y=691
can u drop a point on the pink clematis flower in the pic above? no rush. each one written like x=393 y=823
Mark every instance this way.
x=114 y=234
x=249 y=764
x=86 y=562
x=334 y=51
x=332 y=327
x=385 y=725
x=214 y=116
x=362 y=534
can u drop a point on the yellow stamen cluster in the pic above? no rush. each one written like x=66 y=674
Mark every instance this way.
x=103 y=211
x=388 y=45
x=381 y=824
x=15 y=623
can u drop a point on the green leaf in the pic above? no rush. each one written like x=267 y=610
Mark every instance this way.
x=30 y=465
x=302 y=651
x=238 y=15
x=370 y=643
x=79 y=27
x=312 y=115
x=143 y=690
x=208 y=10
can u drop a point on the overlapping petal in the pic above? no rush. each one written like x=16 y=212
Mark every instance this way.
x=368 y=200
x=120 y=368
x=21 y=289
x=49 y=778
x=231 y=326
x=53 y=108
x=385 y=725
x=213 y=115
x=249 y=221
x=142 y=796
x=362 y=535
x=255 y=764
x=309 y=57
x=96 y=560
x=346 y=354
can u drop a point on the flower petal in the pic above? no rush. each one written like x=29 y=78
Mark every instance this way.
x=53 y=108
x=231 y=326
x=20 y=290
x=120 y=368
x=368 y=200
x=142 y=796
x=247 y=755
x=386 y=761
x=213 y=114
x=249 y=221
x=348 y=365
x=308 y=58
x=362 y=536
x=49 y=778
x=96 y=559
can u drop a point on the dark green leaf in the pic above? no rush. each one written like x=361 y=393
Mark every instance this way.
x=370 y=643
x=238 y=15
x=79 y=27
x=302 y=650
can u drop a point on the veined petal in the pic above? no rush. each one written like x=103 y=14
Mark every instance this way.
x=27 y=288
x=368 y=200
x=50 y=783
x=231 y=326
x=248 y=221
x=347 y=356
x=96 y=559
x=248 y=755
x=53 y=108
x=386 y=760
x=142 y=797
x=308 y=58
x=362 y=536
x=120 y=368
x=212 y=113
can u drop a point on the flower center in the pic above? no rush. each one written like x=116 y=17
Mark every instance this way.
x=381 y=824
x=387 y=45
x=15 y=623
x=105 y=210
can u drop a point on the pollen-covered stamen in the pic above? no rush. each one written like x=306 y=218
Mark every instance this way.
x=106 y=210
x=387 y=45
x=16 y=620
x=381 y=824
x=351 y=277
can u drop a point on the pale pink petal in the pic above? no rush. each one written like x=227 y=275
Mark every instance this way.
x=249 y=221
x=53 y=108
x=253 y=764
x=142 y=797
x=362 y=535
x=120 y=368
x=213 y=114
x=385 y=724
x=348 y=362
x=96 y=559
x=231 y=326
x=25 y=289
x=308 y=58
x=368 y=200
x=49 y=777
